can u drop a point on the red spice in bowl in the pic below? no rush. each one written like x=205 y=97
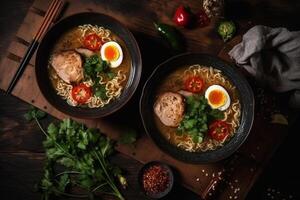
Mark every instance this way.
x=156 y=179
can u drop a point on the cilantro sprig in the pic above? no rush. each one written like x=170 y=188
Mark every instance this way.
x=81 y=155
x=34 y=113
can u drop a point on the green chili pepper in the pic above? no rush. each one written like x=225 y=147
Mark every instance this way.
x=226 y=30
x=172 y=35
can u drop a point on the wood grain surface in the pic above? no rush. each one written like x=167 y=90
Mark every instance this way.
x=244 y=167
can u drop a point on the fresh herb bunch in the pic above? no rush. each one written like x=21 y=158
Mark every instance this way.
x=198 y=115
x=95 y=65
x=83 y=154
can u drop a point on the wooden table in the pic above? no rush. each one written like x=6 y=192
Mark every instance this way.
x=26 y=149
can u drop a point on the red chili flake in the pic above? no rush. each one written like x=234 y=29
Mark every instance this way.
x=155 y=179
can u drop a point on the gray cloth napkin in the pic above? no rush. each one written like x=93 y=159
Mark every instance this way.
x=272 y=56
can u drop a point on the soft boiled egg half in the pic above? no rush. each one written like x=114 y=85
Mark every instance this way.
x=112 y=53
x=217 y=97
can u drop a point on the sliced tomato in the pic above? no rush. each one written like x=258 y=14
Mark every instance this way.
x=194 y=84
x=219 y=130
x=92 y=42
x=81 y=93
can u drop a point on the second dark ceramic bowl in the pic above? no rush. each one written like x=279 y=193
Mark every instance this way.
x=148 y=99
x=49 y=40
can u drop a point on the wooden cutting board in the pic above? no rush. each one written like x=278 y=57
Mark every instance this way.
x=238 y=172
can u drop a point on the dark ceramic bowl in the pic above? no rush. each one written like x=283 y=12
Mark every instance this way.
x=148 y=99
x=171 y=179
x=51 y=37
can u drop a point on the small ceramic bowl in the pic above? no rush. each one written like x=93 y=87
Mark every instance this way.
x=164 y=171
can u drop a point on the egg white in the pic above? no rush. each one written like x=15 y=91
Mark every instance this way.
x=116 y=63
x=218 y=87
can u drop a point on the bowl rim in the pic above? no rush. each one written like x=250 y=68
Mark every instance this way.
x=89 y=113
x=191 y=157
x=171 y=178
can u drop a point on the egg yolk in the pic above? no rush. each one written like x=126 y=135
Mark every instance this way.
x=217 y=98
x=111 y=53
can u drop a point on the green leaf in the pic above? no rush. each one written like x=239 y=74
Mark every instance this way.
x=98 y=67
x=105 y=147
x=64 y=181
x=54 y=153
x=94 y=65
x=188 y=124
x=128 y=137
x=40 y=114
x=111 y=75
x=52 y=129
x=81 y=145
x=28 y=116
x=197 y=139
x=100 y=91
x=67 y=162
x=86 y=182
x=34 y=113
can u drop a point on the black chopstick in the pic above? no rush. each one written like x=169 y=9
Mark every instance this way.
x=54 y=9
x=31 y=49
